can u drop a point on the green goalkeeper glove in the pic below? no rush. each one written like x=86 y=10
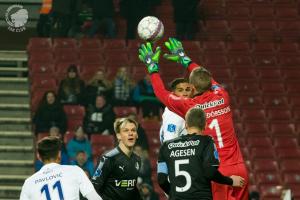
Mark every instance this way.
x=150 y=58
x=177 y=52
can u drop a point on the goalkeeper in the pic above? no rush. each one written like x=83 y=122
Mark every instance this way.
x=214 y=100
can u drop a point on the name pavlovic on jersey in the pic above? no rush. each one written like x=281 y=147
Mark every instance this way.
x=56 y=182
x=172 y=126
x=215 y=104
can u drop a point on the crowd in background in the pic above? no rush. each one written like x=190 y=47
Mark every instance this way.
x=98 y=96
x=70 y=18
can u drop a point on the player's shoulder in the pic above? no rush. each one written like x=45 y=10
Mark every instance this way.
x=136 y=157
x=112 y=153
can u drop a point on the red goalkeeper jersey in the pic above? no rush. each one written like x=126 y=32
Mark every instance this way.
x=215 y=103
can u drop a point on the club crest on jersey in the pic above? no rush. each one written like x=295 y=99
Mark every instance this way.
x=171 y=127
x=137 y=166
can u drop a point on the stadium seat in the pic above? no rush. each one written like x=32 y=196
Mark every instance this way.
x=290 y=165
x=286 y=142
x=73 y=124
x=239 y=129
x=290 y=73
x=114 y=44
x=221 y=73
x=238 y=12
x=262 y=142
x=74 y=112
x=291 y=178
x=87 y=71
x=279 y=114
x=41 y=136
x=265 y=165
x=41 y=69
x=273 y=87
x=295 y=101
x=262 y=60
x=39 y=44
x=150 y=125
x=292 y=87
x=240 y=60
x=268 y=178
x=65 y=55
x=270 y=190
x=250 y=101
x=289 y=30
x=216 y=29
x=285 y=129
x=295 y=190
x=213 y=46
x=265 y=30
x=238 y=48
x=42 y=82
x=94 y=58
x=65 y=43
x=191 y=46
x=101 y=143
x=262 y=13
x=288 y=59
x=288 y=153
x=256 y=129
x=45 y=57
x=213 y=10
x=288 y=47
x=286 y=12
x=246 y=88
x=262 y=152
x=122 y=111
x=90 y=43
x=264 y=47
x=240 y=30
x=251 y=114
x=247 y=73
x=213 y=60
x=275 y=101
x=267 y=73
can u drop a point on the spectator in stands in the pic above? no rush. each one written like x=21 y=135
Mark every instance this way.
x=142 y=136
x=122 y=87
x=49 y=113
x=99 y=117
x=44 y=22
x=145 y=169
x=71 y=88
x=185 y=17
x=98 y=85
x=133 y=11
x=254 y=195
x=144 y=95
x=79 y=143
x=61 y=13
x=103 y=16
x=147 y=192
x=83 y=162
x=54 y=132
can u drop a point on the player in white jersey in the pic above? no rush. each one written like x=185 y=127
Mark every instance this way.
x=54 y=181
x=172 y=124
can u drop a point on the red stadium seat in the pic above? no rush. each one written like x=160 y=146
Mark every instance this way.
x=275 y=101
x=264 y=60
x=295 y=190
x=101 y=143
x=65 y=55
x=265 y=165
x=216 y=29
x=221 y=73
x=94 y=58
x=267 y=73
x=268 y=190
x=292 y=87
x=291 y=178
x=268 y=178
x=73 y=124
x=238 y=12
x=288 y=47
x=239 y=130
x=254 y=129
x=265 y=30
x=65 y=43
x=240 y=30
x=41 y=69
x=250 y=101
x=286 y=12
x=286 y=142
x=279 y=115
x=290 y=165
x=38 y=44
x=122 y=111
x=213 y=46
x=291 y=73
x=285 y=129
x=74 y=111
x=288 y=59
x=241 y=73
x=264 y=47
x=240 y=60
x=191 y=46
x=273 y=87
x=41 y=82
x=213 y=60
x=288 y=153
x=295 y=101
x=150 y=125
x=253 y=115
x=262 y=142
x=114 y=44
x=246 y=88
x=90 y=43
x=262 y=13
x=289 y=30
x=46 y=57
x=214 y=11
x=238 y=47
x=261 y=152
x=41 y=136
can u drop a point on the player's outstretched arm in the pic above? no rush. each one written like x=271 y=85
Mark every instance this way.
x=177 y=53
x=150 y=58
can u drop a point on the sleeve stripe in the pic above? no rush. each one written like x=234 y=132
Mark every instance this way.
x=162 y=167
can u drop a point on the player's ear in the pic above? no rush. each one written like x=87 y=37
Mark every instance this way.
x=118 y=136
x=38 y=156
x=59 y=157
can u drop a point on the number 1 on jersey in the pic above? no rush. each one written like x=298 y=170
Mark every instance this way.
x=215 y=125
x=57 y=185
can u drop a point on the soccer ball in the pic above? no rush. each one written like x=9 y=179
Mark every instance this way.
x=150 y=29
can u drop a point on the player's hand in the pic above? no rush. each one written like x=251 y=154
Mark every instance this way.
x=150 y=58
x=237 y=181
x=177 y=53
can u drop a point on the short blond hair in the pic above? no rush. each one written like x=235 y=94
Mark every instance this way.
x=119 y=122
